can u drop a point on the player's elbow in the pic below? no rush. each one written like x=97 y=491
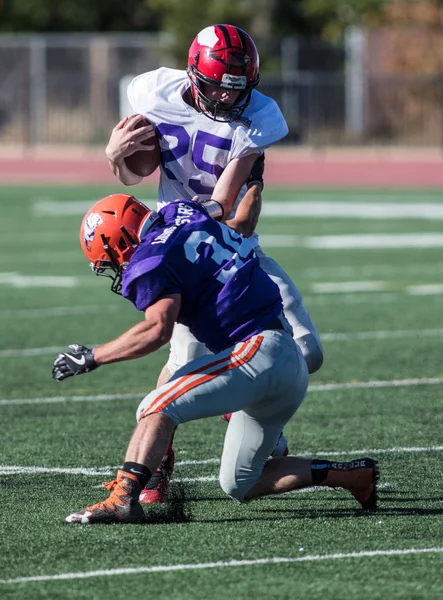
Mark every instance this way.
x=246 y=229
x=162 y=332
x=242 y=226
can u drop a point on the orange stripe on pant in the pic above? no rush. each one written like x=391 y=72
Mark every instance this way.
x=180 y=380
x=234 y=360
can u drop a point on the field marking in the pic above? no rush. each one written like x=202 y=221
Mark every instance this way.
x=354 y=299
x=354 y=241
x=223 y=564
x=16 y=280
x=353 y=210
x=368 y=270
x=325 y=337
x=425 y=290
x=318 y=208
x=82 y=398
x=58 y=311
x=109 y=470
x=48 y=207
x=349 y=293
x=380 y=335
x=341 y=287
x=357 y=293
x=321 y=387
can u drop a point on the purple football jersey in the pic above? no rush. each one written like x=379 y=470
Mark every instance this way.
x=226 y=296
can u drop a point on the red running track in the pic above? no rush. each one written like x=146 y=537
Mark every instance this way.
x=355 y=168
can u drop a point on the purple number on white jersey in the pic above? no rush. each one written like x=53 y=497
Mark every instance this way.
x=203 y=139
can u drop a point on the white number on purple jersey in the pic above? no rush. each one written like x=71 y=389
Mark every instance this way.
x=233 y=255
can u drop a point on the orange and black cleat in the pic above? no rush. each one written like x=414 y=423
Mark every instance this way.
x=360 y=477
x=122 y=506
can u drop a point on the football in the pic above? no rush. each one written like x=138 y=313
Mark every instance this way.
x=144 y=163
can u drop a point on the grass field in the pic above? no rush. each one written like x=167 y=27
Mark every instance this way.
x=377 y=300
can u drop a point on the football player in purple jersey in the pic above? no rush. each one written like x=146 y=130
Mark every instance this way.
x=211 y=123
x=181 y=266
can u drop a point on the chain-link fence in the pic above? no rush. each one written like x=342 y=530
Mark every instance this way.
x=65 y=89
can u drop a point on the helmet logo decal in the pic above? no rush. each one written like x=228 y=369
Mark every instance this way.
x=236 y=82
x=207 y=37
x=91 y=224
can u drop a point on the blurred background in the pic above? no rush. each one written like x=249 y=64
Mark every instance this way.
x=344 y=72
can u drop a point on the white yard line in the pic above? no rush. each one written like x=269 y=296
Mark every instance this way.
x=345 y=287
x=354 y=241
x=368 y=270
x=394 y=383
x=49 y=207
x=223 y=564
x=323 y=387
x=85 y=398
x=343 y=292
x=316 y=205
x=352 y=299
x=425 y=290
x=353 y=210
x=108 y=470
x=58 y=311
x=380 y=335
x=325 y=337
x=16 y=280
x=395 y=450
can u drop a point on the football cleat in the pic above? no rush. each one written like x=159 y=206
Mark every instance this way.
x=156 y=489
x=121 y=507
x=360 y=477
x=281 y=448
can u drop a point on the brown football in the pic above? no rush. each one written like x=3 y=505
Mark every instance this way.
x=144 y=163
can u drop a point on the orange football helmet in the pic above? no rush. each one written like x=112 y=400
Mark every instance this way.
x=110 y=232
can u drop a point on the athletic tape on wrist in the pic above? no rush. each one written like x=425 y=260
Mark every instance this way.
x=214 y=209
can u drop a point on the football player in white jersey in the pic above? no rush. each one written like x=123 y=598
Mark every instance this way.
x=213 y=127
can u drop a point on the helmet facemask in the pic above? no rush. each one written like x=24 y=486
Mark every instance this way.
x=215 y=110
x=113 y=267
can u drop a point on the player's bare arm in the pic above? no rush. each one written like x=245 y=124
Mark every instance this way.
x=248 y=211
x=143 y=338
x=231 y=181
x=129 y=136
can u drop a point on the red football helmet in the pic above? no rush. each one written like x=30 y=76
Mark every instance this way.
x=224 y=56
x=110 y=232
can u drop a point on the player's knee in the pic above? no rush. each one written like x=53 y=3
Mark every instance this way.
x=314 y=361
x=235 y=488
x=312 y=351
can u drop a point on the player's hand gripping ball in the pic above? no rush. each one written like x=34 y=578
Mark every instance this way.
x=145 y=162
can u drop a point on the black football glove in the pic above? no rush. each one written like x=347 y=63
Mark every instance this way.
x=79 y=361
x=257 y=170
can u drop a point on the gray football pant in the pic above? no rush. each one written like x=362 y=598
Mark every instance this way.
x=185 y=347
x=261 y=381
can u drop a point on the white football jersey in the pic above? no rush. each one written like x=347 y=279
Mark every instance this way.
x=196 y=149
